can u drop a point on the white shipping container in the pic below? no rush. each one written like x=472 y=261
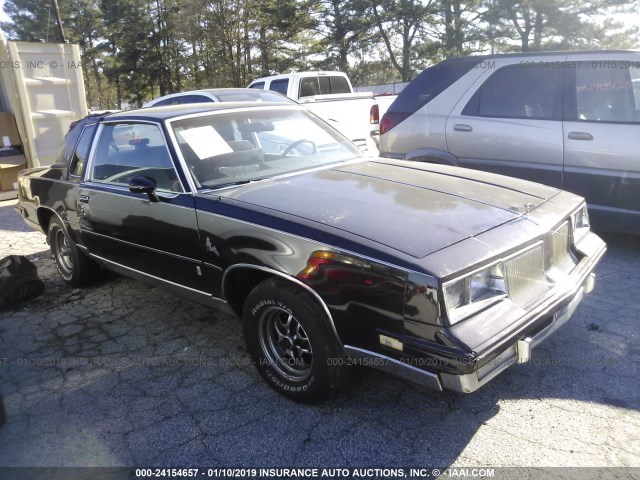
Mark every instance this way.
x=42 y=85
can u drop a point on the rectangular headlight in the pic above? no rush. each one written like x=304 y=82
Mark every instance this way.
x=477 y=291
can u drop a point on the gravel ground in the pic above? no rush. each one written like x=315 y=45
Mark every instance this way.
x=122 y=374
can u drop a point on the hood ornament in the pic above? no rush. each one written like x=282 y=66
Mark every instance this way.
x=528 y=207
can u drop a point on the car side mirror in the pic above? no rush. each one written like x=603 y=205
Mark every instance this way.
x=146 y=185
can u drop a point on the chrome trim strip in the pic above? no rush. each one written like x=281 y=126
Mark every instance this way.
x=215 y=267
x=143 y=247
x=218 y=111
x=395 y=367
x=204 y=297
x=181 y=160
x=531 y=166
x=163 y=194
x=287 y=277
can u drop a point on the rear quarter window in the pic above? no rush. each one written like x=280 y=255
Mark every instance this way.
x=162 y=103
x=431 y=83
x=81 y=153
x=309 y=87
x=339 y=85
x=280 y=86
x=201 y=99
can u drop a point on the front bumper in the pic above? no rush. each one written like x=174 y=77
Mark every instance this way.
x=516 y=347
x=519 y=352
x=557 y=309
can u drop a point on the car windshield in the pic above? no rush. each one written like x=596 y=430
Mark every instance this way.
x=248 y=145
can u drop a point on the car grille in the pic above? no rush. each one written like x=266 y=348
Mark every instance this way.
x=526 y=278
x=562 y=259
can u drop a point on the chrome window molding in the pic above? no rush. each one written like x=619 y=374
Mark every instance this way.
x=88 y=175
x=168 y=124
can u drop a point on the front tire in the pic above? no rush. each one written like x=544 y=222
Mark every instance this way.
x=74 y=267
x=289 y=340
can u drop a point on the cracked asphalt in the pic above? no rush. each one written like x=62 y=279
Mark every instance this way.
x=123 y=374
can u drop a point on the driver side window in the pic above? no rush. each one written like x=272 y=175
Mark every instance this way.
x=128 y=150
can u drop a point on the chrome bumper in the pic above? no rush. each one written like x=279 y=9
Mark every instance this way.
x=524 y=346
x=516 y=348
x=518 y=352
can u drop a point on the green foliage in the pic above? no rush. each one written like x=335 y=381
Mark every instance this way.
x=135 y=50
x=30 y=21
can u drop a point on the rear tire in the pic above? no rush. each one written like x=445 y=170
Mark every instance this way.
x=290 y=342
x=74 y=267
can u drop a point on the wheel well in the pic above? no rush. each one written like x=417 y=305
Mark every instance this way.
x=44 y=217
x=239 y=283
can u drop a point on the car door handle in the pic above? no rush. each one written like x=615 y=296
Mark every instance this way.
x=580 y=136
x=84 y=198
x=461 y=127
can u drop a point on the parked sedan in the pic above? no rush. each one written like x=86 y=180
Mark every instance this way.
x=256 y=95
x=440 y=275
x=215 y=95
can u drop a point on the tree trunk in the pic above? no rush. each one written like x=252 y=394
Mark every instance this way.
x=264 y=52
x=537 y=32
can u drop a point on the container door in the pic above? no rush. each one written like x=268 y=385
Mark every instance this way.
x=46 y=95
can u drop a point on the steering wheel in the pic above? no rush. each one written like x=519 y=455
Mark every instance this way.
x=299 y=142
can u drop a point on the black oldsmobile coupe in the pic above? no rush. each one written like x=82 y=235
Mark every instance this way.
x=441 y=275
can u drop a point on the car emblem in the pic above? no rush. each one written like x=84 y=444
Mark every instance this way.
x=528 y=207
x=211 y=247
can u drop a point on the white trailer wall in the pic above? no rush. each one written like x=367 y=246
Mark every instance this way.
x=42 y=85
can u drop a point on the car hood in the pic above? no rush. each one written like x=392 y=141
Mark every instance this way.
x=414 y=208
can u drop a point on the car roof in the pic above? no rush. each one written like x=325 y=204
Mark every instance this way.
x=212 y=91
x=220 y=94
x=173 y=111
x=495 y=56
x=309 y=73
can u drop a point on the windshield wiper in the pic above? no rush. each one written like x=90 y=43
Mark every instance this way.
x=233 y=184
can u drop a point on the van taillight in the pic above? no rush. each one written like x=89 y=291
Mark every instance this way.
x=390 y=120
x=374 y=114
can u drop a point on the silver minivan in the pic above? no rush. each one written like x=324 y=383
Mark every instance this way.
x=566 y=119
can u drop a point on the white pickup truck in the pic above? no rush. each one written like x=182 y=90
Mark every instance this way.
x=330 y=96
